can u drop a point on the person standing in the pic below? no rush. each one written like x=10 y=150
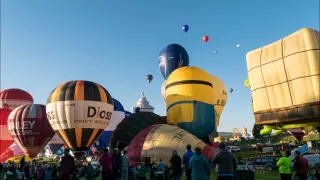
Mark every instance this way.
x=106 y=163
x=186 y=159
x=125 y=165
x=67 y=166
x=22 y=162
x=200 y=166
x=284 y=166
x=116 y=164
x=301 y=166
x=226 y=162
x=176 y=170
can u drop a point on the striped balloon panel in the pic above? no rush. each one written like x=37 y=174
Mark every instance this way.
x=13 y=98
x=130 y=126
x=5 y=137
x=29 y=126
x=13 y=150
x=79 y=111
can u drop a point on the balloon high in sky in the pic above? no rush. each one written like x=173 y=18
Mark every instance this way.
x=185 y=28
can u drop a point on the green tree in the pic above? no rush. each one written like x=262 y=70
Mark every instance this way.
x=256 y=130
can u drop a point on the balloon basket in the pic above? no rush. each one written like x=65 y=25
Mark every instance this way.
x=79 y=154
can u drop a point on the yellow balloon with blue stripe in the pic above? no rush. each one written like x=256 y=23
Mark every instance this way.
x=190 y=101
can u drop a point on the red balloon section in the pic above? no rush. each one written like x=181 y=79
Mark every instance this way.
x=5 y=137
x=13 y=98
x=29 y=126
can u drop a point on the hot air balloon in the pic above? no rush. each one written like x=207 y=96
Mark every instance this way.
x=205 y=38
x=190 y=102
x=149 y=78
x=297 y=133
x=230 y=90
x=30 y=128
x=158 y=141
x=238 y=45
x=79 y=111
x=219 y=97
x=163 y=90
x=5 y=137
x=13 y=150
x=12 y=98
x=215 y=52
x=131 y=126
x=117 y=116
x=55 y=143
x=171 y=58
x=285 y=81
x=185 y=28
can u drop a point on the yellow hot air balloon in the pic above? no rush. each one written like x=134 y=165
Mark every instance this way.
x=285 y=80
x=190 y=101
x=219 y=97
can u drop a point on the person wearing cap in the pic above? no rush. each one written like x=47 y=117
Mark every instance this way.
x=200 y=166
x=106 y=163
x=67 y=166
x=226 y=162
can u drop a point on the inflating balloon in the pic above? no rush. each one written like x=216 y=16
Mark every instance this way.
x=11 y=151
x=285 y=84
x=297 y=133
x=158 y=142
x=79 y=111
x=163 y=90
x=12 y=98
x=55 y=143
x=205 y=38
x=190 y=101
x=5 y=137
x=130 y=126
x=185 y=28
x=149 y=78
x=30 y=128
x=117 y=116
x=171 y=58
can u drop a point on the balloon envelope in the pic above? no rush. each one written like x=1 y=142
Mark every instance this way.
x=5 y=136
x=13 y=150
x=55 y=143
x=190 y=101
x=163 y=90
x=185 y=28
x=219 y=97
x=149 y=78
x=158 y=142
x=30 y=128
x=171 y=58
x=13 y=98
x=205 y=38
x=288 y=91
x=79 y=111
x=117 y=116
x=132 y=125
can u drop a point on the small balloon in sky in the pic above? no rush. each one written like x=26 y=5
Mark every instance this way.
x=185 y=28
x=238 y=45
x=205 y=38
x=215 y=52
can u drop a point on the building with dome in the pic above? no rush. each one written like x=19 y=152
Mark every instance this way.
x=143 y=105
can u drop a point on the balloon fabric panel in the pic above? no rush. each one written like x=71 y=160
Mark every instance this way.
x=13 y=98
x=74 y=107
x=5 y=137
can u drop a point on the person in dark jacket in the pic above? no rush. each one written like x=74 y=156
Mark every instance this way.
x=226 y=163
x=22 y=162
x=67 y=166
x=176 y=170
x=117 y=164
x=106 y=163
x=301 y=166
x=186 y=159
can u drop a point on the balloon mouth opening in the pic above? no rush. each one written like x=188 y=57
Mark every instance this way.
x=79 y=154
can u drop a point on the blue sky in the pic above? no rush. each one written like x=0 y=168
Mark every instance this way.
x=116 y=43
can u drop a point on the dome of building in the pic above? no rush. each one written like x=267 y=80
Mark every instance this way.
x=143 y=105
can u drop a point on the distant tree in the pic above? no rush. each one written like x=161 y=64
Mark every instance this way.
x=256 y=130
